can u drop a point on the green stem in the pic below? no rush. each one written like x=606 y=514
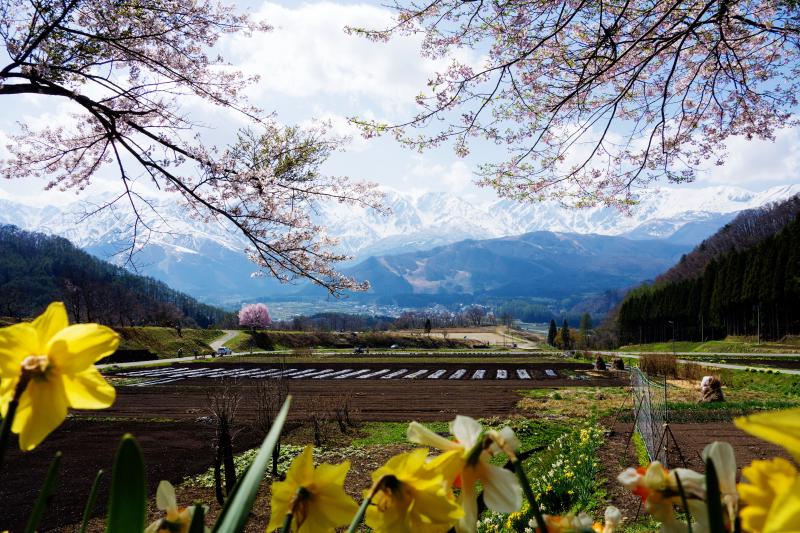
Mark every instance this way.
x=5 y=430
x=684 y=503
x=526 y=488
x=287 y=523
x=8 y=421
x=87 y=511
x=364 y=505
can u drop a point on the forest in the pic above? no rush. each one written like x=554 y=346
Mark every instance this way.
x=36 y=269
x=745 y=291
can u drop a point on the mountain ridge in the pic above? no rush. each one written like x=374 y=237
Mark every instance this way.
x=207 y=260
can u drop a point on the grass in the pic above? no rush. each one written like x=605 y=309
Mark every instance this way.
x=383 y=433
x=743 y=345
x=288 y=340
x=572 y=402
x=641 y=450
x=165 y=342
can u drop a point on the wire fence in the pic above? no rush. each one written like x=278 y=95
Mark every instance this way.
x=650 y=414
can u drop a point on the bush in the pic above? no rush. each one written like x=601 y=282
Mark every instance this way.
x=659 y=364
x=692 y=372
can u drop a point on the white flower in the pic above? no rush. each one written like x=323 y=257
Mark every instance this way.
x=501 y=490
x=721 y=453
x=612 y=519
x=177 y=519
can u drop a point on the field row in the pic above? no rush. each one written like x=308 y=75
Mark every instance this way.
x=161 y=376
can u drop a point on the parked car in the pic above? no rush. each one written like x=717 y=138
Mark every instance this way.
x=394 y=347
x=359 y=349
x=224 y=351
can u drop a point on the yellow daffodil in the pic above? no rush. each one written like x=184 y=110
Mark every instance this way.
x=411 y=498
x=779 y=427
x=466 y=461
x=315 y=496
x=178 y=519
x=572 y=523
x=771 y=496
x=57 y=361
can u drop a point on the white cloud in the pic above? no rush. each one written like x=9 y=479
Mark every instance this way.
x=758 y=162
x=451 y=176
x=308 y=54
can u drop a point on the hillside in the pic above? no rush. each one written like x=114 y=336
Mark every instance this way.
x=539 y=264
x=36 y=269
x=747 y=229
x=744 y=291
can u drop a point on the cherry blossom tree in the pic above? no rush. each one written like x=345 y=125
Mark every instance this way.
x=591 y=100
x=131 y=70
x=254 y=316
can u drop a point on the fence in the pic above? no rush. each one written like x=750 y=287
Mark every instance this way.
x=650 y=414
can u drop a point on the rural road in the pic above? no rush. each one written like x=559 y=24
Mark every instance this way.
x=228 y=334
x=704 y=363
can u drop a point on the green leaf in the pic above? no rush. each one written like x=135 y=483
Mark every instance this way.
x=716 y=520
x=198 y=519
x=526 y=488
x=234 y=515
x=126 y=510
x=44 y=495
x=87 y=511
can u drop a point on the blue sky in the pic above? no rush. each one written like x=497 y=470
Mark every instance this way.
x=310 y=69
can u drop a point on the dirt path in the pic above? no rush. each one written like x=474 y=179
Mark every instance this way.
x=220 y=342
x=215 y=345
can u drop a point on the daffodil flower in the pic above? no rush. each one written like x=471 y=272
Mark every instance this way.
x=658 y=489
x=408 y=497
x=177 y=519
x=771 y=496
x=49 y=366
x=466 y=461
x=314 y=496
x=779 y=427
x=582 y=522
x=724 y=459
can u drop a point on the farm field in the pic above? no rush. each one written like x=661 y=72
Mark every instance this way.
x=548 y=402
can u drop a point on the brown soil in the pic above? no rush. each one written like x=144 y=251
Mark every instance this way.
x=167 y=421
x=691 y=439
x=374 y=399
x=171 y=451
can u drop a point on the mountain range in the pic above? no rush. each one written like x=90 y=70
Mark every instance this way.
x=206 y=259
x=539 y=264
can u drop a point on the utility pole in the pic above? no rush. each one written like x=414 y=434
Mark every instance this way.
x=758 y=328
x=671 y=323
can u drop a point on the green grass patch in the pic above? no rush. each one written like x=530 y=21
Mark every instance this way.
x=382 y=433
x=641 y=450
x=166 y=342
x=577 y=403
x=735 y=345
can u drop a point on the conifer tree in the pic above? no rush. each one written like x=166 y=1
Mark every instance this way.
x=551 y=333
x=586 y=325
x=565 y=337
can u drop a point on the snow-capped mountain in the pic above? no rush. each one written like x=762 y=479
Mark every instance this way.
x=206 y=259
x=682 y=215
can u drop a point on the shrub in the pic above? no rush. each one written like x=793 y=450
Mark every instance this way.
x=659 y=364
